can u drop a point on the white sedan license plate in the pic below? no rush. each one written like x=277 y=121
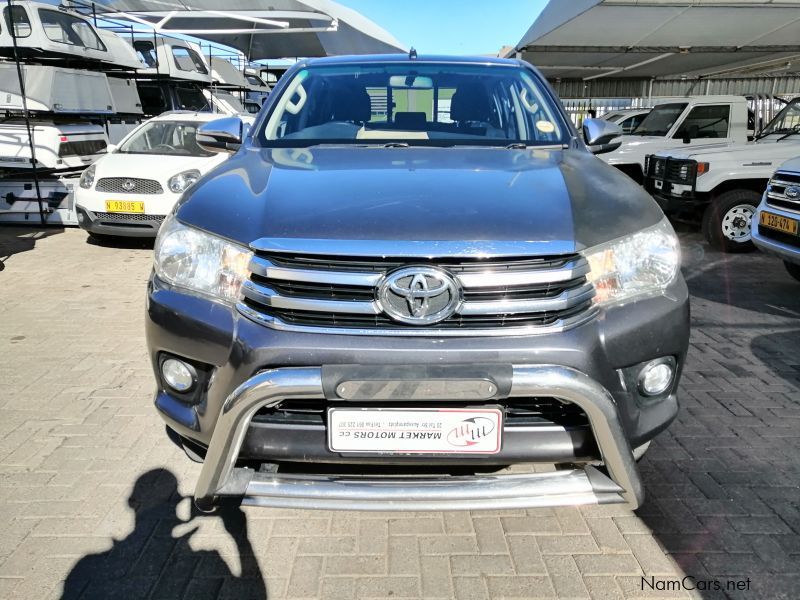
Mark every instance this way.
x=415 y=431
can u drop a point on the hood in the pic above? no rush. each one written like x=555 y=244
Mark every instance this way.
x=558 y=201
x=152 y=166
x=793 y=164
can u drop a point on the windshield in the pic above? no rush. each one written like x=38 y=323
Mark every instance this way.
x=787 y=121
x=414 y=104
x=660 y=120
x=175 y=138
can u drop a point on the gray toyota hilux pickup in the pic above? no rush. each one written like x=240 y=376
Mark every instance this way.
x=411 y=285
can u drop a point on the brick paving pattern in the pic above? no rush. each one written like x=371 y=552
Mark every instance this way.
x=94 y=498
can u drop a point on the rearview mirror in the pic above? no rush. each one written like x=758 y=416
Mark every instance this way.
x=222 y=135
x=601 y=136
x=411 y=81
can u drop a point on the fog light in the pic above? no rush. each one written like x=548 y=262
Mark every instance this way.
x=178 y=375
x=655 y=378
x=81 y=217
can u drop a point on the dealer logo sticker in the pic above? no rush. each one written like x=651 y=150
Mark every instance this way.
x=470 y=432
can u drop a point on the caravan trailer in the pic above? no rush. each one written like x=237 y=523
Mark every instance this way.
x=48 y=33
x=173 y=74
x=171 y=58
x=77 y=95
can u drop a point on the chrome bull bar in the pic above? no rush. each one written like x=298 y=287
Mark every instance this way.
x=220 y=478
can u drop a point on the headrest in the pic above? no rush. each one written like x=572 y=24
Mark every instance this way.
x=471 y=102
x=352 y=104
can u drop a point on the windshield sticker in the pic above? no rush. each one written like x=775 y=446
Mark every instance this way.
x=545 y=126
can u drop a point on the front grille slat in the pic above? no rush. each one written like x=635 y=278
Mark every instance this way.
x=518 y=412
x=498 y=296
x=127 y=217
x=116 y=185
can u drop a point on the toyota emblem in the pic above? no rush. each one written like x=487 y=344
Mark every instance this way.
x=419 y=295
x=128 y=185
x=792 y=192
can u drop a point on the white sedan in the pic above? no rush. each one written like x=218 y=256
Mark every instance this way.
x=130 y=190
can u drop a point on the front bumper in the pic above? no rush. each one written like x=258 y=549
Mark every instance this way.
x=573 y=487
x=782 y=245
x=128 y=225
x=233 y=351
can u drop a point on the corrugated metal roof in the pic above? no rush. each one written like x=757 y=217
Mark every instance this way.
x=262 y=30
x=594 y=39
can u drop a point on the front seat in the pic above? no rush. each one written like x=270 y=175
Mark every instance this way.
x=471 y=109
x=352 y=105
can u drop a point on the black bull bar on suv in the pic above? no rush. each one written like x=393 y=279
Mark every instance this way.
x=220 y=477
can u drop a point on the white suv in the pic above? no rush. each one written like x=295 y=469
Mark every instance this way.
x=130 y=190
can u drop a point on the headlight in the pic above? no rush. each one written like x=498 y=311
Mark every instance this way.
x=196 y=260
x=182 y=181
x=643 y=263
x=87 y=177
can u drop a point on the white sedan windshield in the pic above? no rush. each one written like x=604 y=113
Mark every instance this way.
x=178 y=138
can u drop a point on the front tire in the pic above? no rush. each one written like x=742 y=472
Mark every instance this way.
x=727 y=221
x=792 y=269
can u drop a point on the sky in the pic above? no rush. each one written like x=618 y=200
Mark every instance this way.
x=452 y=26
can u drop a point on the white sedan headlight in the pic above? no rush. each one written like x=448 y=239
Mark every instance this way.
x=87 y=177
x=183 y=181
x=199 y=261
x=643 y=263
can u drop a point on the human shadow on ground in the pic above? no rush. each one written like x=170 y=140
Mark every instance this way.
x=15 y=239
x=154 y=562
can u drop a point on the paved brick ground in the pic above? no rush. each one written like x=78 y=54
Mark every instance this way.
x=92 y=493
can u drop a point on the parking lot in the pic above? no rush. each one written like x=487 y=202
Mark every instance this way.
x=93 y=493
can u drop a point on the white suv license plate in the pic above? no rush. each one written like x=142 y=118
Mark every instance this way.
x=415 y=431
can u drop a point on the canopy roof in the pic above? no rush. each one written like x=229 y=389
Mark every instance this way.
x=590 y=39
x=264 y=29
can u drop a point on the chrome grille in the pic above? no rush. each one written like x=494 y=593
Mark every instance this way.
x=117 y=185
x=776 y=191
x=523 y=295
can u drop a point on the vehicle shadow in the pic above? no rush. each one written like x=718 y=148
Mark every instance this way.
x=155 y=562
x=123 y=243
x=15 y=239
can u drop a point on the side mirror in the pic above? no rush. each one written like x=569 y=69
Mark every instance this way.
x=601 y=136
x=690 y=133
x=110 y=148
x=222 y=135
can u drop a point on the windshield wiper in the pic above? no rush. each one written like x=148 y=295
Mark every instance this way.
x=395 y=145
x=516 y=146
x=792 y=131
